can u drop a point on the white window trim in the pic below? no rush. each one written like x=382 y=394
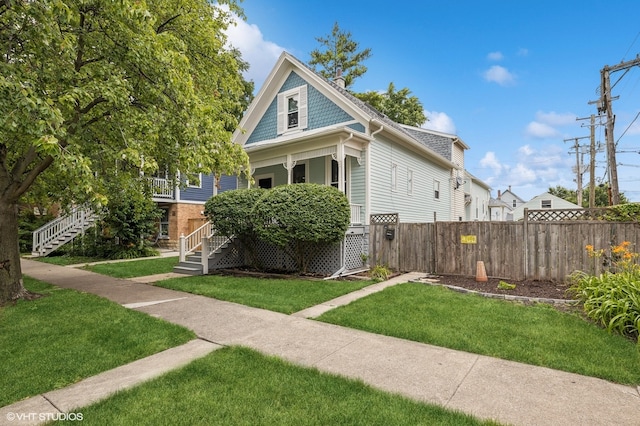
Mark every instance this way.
x=301 y=92
x=256 y=178
x=199 y=185
x=409 y=181
x=436 y=189
x=543 y=202
x=394 y=177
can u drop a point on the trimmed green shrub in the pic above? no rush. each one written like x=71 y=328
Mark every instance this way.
x=302 y=217
x=231 y=213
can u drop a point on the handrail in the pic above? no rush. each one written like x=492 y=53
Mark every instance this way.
x=49 y=232
x=189 y=243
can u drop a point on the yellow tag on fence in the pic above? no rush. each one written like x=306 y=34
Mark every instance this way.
x=468 y=239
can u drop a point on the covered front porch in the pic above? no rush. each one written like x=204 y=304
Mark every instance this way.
x=338 y=159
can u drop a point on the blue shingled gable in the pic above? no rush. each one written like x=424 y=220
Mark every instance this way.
x=322 y=112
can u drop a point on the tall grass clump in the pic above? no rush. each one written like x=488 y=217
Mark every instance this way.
x=612 y=298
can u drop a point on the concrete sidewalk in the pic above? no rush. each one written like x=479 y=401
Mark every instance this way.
x=490 y=388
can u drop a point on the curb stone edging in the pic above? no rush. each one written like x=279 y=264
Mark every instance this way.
x=504 y=296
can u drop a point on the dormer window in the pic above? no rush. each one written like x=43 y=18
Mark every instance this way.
x=292 y=109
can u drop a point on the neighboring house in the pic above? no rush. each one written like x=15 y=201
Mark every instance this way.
x=500 y=211
x=303 y=128
x=183 y=207
x=510 y=198
x=477 y=199
x=543 y=201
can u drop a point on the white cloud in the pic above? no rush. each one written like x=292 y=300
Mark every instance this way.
x=546 y=124
x=533 y=171
x=261 y=54
x=500 y=75
x=541 y=131
x=491 y=161
x=495 y=56
x=523 y=52
x=521 y=174
x=439 y=121
x=554 y=119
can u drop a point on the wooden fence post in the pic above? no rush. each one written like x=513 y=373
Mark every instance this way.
x=525 y=231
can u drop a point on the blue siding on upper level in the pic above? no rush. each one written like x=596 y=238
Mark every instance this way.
x=228 y=183
x=321 y=112
x=198 y=194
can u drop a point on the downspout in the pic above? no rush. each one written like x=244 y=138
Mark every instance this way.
x=368 y=175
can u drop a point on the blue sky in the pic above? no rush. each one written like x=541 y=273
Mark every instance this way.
x=508 y=77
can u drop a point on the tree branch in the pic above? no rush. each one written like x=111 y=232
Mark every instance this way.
x=161 y=28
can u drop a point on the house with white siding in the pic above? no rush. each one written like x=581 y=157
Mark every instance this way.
x=541 y=202
x=303 y=128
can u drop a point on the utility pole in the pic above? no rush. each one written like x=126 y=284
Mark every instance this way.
x=605 y=106
x=579 y=166
x=592 y=159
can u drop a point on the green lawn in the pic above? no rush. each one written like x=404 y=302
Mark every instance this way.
x=238 y=386
x=135 y=268
x=538 y=335
x=280 y=295
x=66 y=260
x=66 y=336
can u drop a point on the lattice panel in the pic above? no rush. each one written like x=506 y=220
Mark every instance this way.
x=325 y=260
x=566 y=214
x=230 y=257
x=269 y=256
x=353 y=250
x=390 y=218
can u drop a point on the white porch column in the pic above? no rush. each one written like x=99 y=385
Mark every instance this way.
x=289 y=165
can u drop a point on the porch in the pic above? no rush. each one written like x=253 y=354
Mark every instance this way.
x=338 y=159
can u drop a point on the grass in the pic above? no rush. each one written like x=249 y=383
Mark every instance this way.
x=66 y=260
x=280 y=295
x=238 y=386
x=135 y=268
x=66 y=336
x=537 y=335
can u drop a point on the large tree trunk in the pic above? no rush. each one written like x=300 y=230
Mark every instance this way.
x=11 y=287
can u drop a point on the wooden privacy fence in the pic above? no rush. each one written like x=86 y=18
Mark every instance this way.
x=548 y=250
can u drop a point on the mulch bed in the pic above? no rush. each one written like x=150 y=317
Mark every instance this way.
x=525 y=288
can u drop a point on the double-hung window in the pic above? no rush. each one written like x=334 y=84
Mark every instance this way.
x=292 y=109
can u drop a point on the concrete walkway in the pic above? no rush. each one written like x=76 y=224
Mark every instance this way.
x=489 y=388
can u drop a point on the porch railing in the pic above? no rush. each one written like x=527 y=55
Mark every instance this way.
x=356 y=214
x=61 y=230
x=190 y=243
x=162 y=188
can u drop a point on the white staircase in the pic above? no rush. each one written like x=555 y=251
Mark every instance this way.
x=60 y=231
x=192 y=247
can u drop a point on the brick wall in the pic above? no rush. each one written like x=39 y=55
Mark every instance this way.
x=180 y=216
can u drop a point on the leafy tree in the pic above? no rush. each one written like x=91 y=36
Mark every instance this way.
x=398 y=105
x=86 y=85
x=564 y=193
x=130 y=217
x=340 y=52
x=301 y=217
x=601 y=198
